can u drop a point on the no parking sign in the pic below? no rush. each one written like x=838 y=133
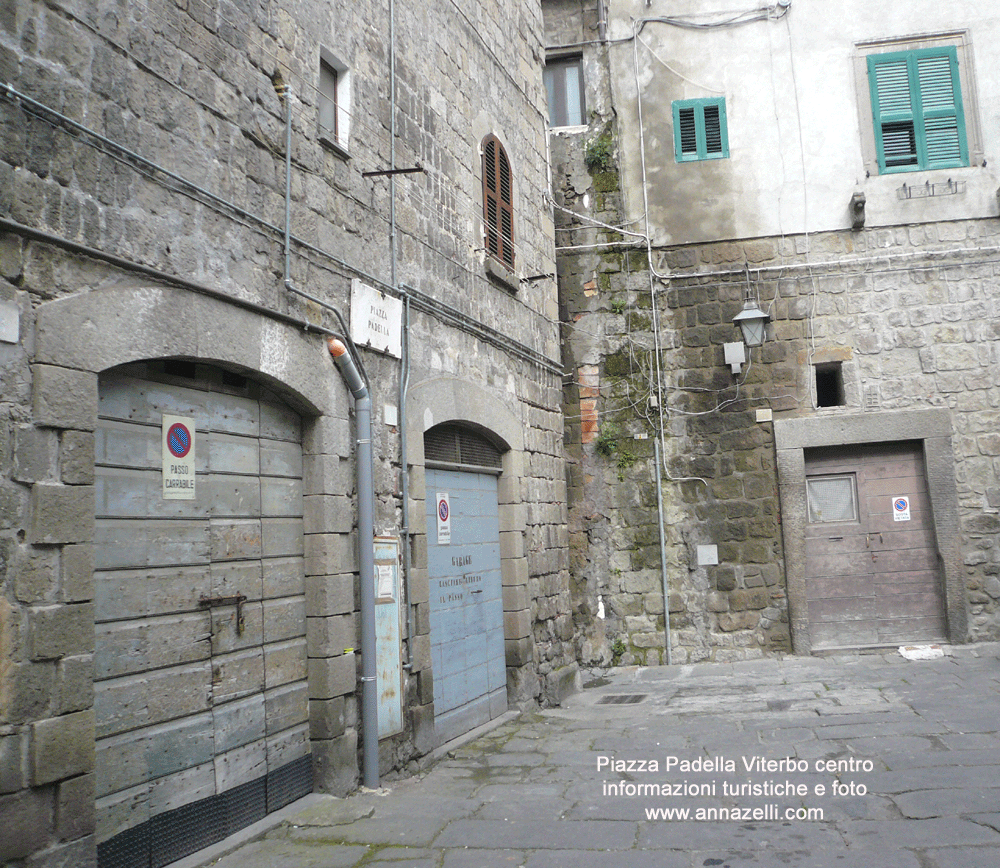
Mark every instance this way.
x=443 y=518
x=178 y=458
x=901 y=508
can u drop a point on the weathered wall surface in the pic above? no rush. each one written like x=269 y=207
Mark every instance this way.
x=798 y=116
x=607 y=291
x=902 y=308
x=157 y=135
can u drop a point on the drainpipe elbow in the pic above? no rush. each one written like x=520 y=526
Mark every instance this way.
x=348 y=370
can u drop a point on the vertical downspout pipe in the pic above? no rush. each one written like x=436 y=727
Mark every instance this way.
x=404 y=382
x=663 y=551
x=366 y=560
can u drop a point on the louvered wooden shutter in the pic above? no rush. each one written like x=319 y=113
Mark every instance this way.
x=498 y=201
x=713 y=130
x=917 y=110
x=941 y=103
x=688 y=130
x=700 y=129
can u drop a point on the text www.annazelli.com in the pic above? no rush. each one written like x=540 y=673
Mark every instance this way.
x=768 y=812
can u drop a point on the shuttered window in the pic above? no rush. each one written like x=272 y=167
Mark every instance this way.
x=498 y=201
x=917 y=110
x=700 y=129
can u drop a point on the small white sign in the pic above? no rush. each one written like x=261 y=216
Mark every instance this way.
x=386 y=585
x=178 y=458
x=901 y=508
x=376 y=319
x=443 y=518
x=708 y=555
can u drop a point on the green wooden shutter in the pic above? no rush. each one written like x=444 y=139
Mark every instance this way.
x=917 y=110
x=700 y=129
x=941 y=105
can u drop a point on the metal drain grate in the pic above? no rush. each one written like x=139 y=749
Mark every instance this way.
x=624 y=699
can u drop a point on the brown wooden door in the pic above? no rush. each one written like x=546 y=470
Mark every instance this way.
x=872 y=574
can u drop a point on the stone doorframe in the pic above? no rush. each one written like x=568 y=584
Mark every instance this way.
x=449 y=399
x=79 y=336
x=932 y=427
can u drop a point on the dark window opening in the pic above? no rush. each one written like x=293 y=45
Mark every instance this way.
x=327 y=96
x=564 y=86
x=235 y=381
x=900 y=143
x=829 y=385
x=179 y=368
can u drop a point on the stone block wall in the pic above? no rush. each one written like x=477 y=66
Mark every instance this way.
x=906 y=314
x=157 y=137
x=47 y=416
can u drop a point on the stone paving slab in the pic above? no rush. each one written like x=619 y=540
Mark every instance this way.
x=531 y=794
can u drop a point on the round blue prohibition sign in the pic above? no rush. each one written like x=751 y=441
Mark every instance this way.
x=443 y=510
x=900 y=505
x=178 y=440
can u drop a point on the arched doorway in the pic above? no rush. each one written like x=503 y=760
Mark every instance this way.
x=462 y=466
x=200 y=675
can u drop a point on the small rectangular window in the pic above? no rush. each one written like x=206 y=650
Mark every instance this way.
x=328 y=99
x=830 y=385
x=700 y=131
x=564 y=86
x=333 y=98
x=831 y=499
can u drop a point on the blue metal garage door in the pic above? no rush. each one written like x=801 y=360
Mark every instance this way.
x=466 y=604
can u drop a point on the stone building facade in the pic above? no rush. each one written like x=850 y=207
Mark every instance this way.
x=193 y=198
x=868 y=237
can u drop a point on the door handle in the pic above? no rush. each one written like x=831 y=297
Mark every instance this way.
x=868 y=540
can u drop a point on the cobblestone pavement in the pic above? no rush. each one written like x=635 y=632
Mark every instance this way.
x=864 y=760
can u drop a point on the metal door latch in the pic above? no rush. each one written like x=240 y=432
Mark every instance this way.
x=234 y=600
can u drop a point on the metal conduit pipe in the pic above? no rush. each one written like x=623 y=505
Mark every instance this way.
x=178 y=183
x=404 y=382
x=366 y=560
x=404 y=373
x=663 y=552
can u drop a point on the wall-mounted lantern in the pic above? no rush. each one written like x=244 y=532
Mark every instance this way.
x=751 y=321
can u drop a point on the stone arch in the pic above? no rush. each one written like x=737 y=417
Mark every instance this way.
x=78 y=337
x=449 y=399
x=94 y=331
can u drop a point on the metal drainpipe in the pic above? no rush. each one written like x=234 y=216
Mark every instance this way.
x=663 y=550
x=366 y=558
x=404 y=382
x=345 y=362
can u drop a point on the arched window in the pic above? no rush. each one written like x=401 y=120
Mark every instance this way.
x=498 y=201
